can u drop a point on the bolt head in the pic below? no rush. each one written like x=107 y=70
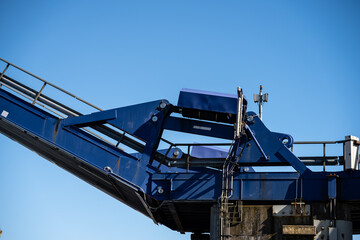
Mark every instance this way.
x=108 y=169
x=154 y=118
x=160 y=190
x=162 y=105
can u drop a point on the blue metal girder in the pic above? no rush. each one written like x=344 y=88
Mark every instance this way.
x=72 y=140
x=132 y=179
x=144 y=121
x=348 y=184
x=139 y=120
x=91 y=119
x=270 y=186
x=186 y=186
x=207 y=186
x=69 y=146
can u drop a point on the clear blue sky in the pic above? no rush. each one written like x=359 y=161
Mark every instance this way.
x=116 y=53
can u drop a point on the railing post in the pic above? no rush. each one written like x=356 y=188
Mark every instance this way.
x=324 y=156
x=38 y=94
x=2 y=74
x=188 y=159
x=120 y=139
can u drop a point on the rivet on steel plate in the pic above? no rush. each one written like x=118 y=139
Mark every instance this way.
x=250 y=119
x=160 y=190
x=162 y=105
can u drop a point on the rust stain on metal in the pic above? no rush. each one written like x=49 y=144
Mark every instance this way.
x=118 y=164
x=299 y=230
x=56 y=129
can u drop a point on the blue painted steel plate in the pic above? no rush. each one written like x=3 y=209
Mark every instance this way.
x=208 y=101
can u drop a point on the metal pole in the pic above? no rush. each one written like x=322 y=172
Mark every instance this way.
x=239 y=112
x=227 y=181
x=324 y=156
x=187 y=159
x=260 y=103
x=260 y=99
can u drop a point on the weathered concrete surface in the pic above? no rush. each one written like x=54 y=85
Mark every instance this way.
x=258 y=222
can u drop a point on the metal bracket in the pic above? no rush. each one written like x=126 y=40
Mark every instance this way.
x=257 y=143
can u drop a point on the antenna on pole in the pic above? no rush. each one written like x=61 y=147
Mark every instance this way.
x=260 y=99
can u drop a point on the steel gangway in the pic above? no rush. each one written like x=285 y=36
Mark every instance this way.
x=185 y=186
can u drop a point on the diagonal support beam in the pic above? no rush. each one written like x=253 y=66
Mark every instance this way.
x=91 y=119
x=176 y=217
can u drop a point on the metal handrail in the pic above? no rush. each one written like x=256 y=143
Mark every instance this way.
x=188 y=156
x=48 y=83
x=51 y=104
x=324 y=143
x=194 y=144
x=321 y=142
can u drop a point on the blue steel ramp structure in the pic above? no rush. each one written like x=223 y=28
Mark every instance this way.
x=117 y=151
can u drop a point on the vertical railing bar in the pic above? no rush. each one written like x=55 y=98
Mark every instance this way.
x=163 y=159
x=120 y=139
x=324 y=156
x=188 y=159
x=38 y=94
x=301 y=188
x=2 y=74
